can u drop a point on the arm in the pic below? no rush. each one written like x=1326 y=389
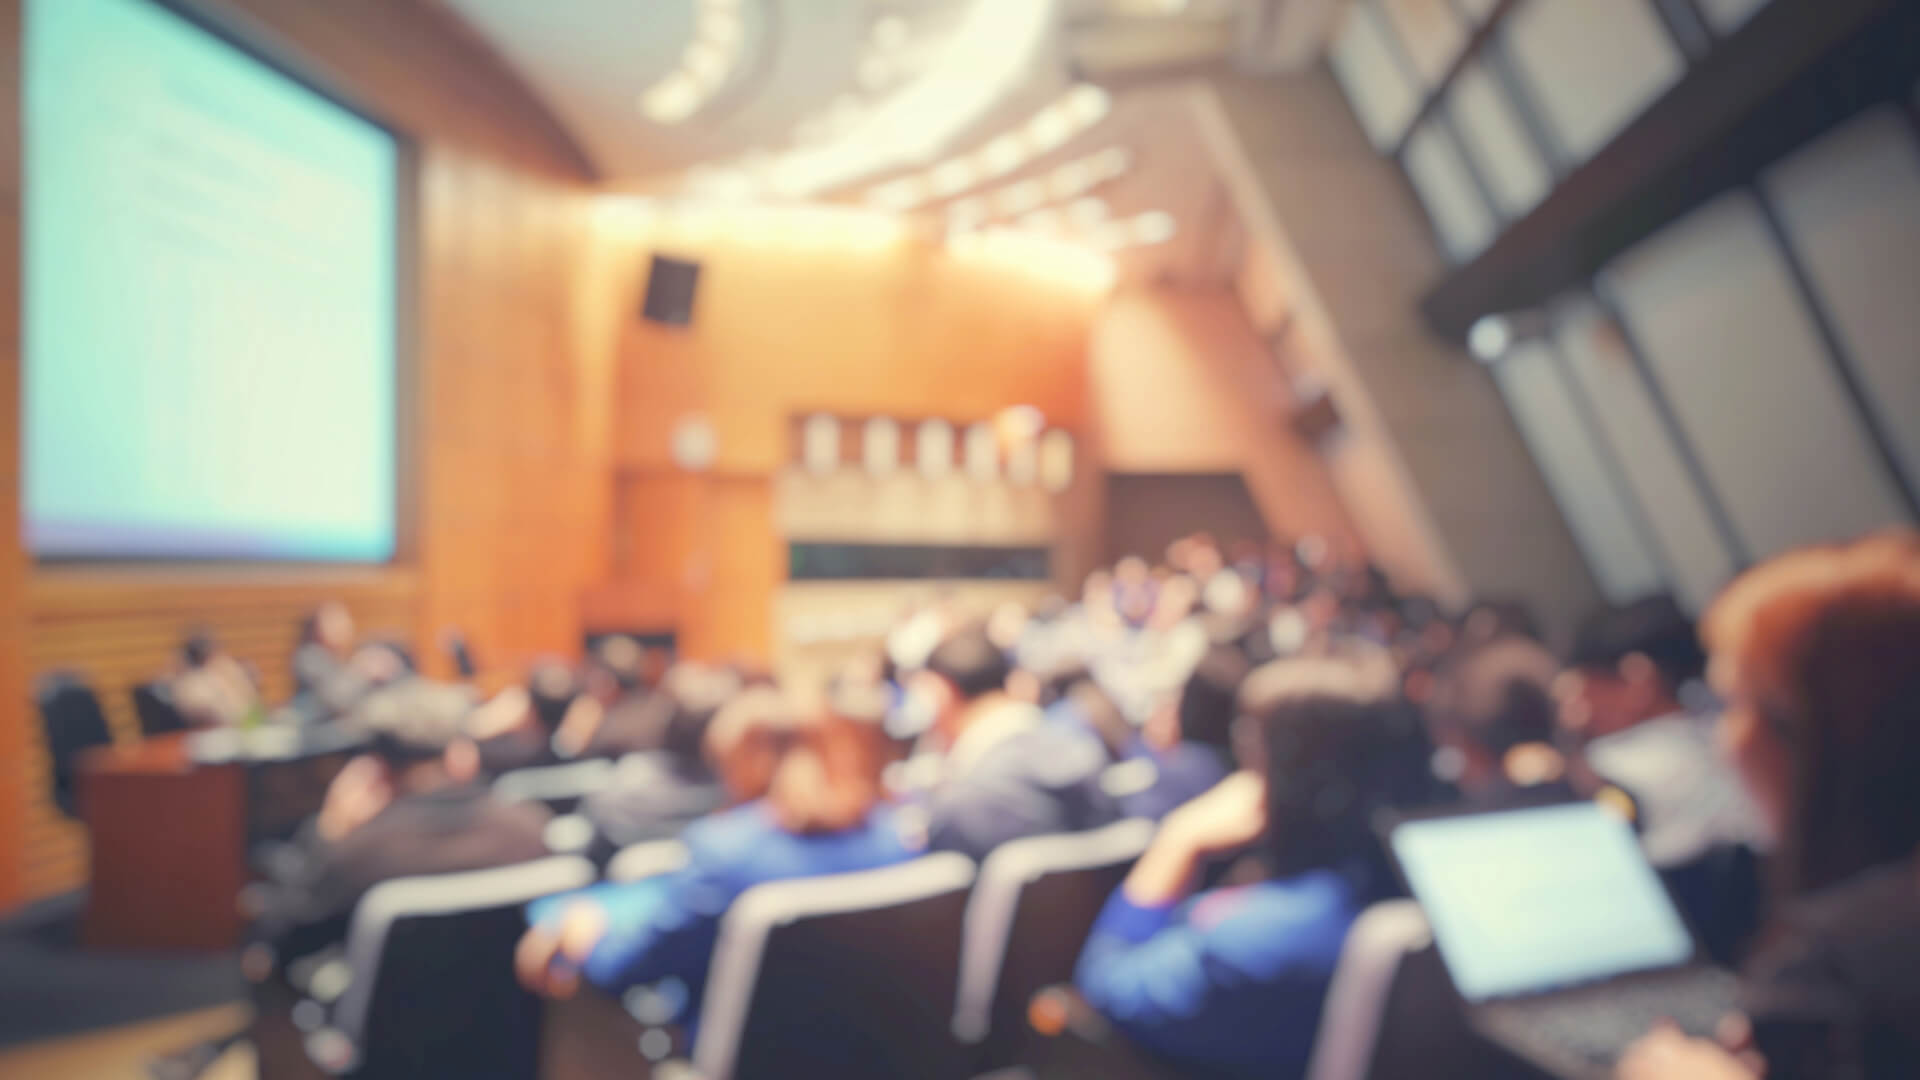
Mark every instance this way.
x=618 y=936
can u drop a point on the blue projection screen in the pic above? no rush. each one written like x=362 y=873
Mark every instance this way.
x=210 y=307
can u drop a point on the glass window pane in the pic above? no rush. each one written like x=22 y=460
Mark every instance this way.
x=1440 y=177
x=1710 y=301
x=1376 y=83
x=1430 y=33
x=1851 y=203
x=1491 y=129
x=1597 y=356
x=1564 y=447
x=1726 y=16
x=1592 y=65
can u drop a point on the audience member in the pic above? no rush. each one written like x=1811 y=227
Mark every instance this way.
x=821 y=813
x=414 y=805
x=1817 y=655
x=212 y=689
x=1189 y=741
x=1003 y=774
x=331 y=675
x=1491 y=718
x=657 y=793
x=1231 y=981
x=516 y=728
x=614 y=714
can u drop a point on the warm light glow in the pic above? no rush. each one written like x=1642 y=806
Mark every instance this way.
x=952 y=177
x=1085 y=105
x=903 y=194
x=709 y=60
x=1049 y=128
x=1088 y=211
x=1012 y=251
x=1153 y=227
x=1021 y=197
x=672 y=99
x=890 y=32
x=1002 y=156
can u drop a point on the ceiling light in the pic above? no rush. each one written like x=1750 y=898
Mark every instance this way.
x=967 y=214
x=1002 y=156
x=1111 y=162
x=671 y=100
x=706 y=63
x=1021 y=197
x=903 y=194
x=952 y=177
x=1071 y=179
x=1088 y=211
x=876 y=72
x=1044 y=220
x=890 y=32
x=1153 y=227
x=1112 y=236
x=1049 y=128
x=1086 y=104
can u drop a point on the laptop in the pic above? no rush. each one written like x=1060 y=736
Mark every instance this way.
x=1557 y=933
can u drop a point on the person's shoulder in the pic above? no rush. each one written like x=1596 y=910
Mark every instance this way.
x=731 y=835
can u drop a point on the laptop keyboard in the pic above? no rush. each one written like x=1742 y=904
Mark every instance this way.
x=1597 y=1027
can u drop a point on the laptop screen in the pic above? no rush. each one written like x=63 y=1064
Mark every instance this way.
x=1524 y=901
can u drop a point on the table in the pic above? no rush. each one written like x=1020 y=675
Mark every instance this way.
x=171 y=820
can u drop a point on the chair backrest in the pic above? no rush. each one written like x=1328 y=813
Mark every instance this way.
x=560 y=787
x=433 y=990
x=1390 y=1011
x=71 y=716
x=1030 y=913
x=849 y=975
x=153 y=704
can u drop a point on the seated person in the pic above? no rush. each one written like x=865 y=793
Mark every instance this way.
x=1622 y=692
x=614 y=714
x=1817 y=655
x=656 y=794
x=821 y=814
x=211 y=688
x=331 y=675
x=413 y=805
x=1230 y=981
x=1188 y=742
x=1003 y=773
x=1492 y=718
x=515 y=729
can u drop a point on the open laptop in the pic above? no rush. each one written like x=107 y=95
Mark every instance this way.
x=1557 y=934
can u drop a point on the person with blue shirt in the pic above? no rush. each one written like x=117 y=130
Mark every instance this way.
x=1188 y=742
x=819 y=811
x=1230 y=981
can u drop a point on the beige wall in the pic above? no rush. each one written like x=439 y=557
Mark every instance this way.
x=1430 y=464
x=1180 y=383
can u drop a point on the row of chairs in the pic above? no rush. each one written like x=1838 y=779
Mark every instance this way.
x=926 y=970
x=74 y=722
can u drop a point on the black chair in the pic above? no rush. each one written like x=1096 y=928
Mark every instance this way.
x=850 y=976
x=71 y=716
x=153 y=704
x=558 y=787
x=1030 y=913
x=429 y=983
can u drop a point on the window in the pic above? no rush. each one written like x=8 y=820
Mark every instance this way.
x=1726 y=16
x=1711 y=303
x=1850 y=203
x=1484 y=116
x=1631 y=426
x=1430 y=33
x=1439 y=174
x=1375 y=82
x=1592 y=65
x=1564 y=446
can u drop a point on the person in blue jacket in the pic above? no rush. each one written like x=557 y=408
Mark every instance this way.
x=821 y=812
x=1188 y=741
x=1230 y=981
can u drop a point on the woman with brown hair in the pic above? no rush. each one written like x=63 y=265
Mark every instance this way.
x=814 y=772
x=1817 y=654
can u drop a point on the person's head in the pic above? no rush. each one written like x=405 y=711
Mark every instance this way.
x=419 y=736
x=1817 y=655
x=1496 y=698
x=964 y=668
x=1489 y=620
x=1328 y=733
x=1627 y=665
x=1203 y=711
x=616 y=668
x=816 y=764
x=330 y=626
x=691 y=695
x=197 y=648
x=551 y=688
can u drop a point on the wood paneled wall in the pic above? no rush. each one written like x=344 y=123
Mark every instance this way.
x=506 y=406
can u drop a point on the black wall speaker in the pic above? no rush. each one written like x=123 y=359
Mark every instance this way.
x=671 y=284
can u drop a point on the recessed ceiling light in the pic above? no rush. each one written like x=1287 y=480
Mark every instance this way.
x=1111 y=162
x=1043 y=220
x=1086 y=104
x=671 y=100
x=903 y=194
x=1153 y=227
x=1049 y=128
x=721 y=27
x=1021 y=197
x=1002 y=155
x=952 y=177
x=706 y=63
x=1087 y=211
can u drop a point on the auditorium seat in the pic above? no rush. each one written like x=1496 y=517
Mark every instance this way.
x=153 y=705
x=1390 y=1011
x=1030 y=912
x=559 y=787
x=430 y=988
x=851 y=974
x=74 y=723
